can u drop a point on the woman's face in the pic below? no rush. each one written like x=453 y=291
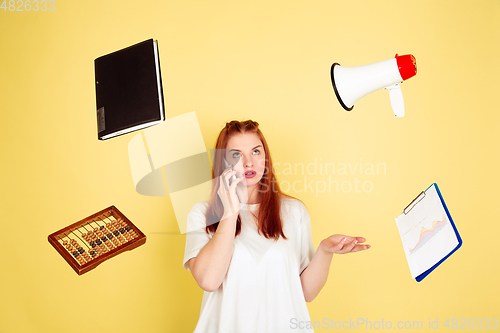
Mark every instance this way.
x=246 y=153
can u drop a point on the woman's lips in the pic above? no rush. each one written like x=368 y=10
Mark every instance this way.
x=250 y=174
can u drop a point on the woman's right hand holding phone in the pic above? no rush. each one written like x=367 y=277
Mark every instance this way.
x=227 y=192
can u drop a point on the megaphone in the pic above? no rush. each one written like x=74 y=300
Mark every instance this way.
x=352 y=83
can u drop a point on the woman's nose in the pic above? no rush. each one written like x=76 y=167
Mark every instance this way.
x=247 y=162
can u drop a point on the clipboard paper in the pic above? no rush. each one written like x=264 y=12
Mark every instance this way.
x=428 y=233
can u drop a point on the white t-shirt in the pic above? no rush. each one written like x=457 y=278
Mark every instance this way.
x=261 y=292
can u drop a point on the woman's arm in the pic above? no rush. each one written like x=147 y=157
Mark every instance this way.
x=314 y=277
x=210 y=266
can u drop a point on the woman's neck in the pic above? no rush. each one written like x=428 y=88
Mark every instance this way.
x=253 y=196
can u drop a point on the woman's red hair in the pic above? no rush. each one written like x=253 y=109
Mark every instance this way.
x=269 y=219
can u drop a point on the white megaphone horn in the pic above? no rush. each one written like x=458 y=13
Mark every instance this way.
x=352 y=83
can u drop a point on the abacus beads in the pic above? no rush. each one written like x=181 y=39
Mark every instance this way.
x=76 y=251
x=101 y=239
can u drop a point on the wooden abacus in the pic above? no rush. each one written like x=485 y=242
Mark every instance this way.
x=104 y=234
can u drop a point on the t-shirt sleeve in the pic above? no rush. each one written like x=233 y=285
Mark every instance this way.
x=198 y=237
x=307 y=246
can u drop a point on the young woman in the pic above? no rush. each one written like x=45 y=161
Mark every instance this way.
x=252 y=251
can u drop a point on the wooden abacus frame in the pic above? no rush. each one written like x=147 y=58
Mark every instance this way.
x=80 y=269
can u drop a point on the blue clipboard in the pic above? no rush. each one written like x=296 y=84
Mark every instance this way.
x=415 y=202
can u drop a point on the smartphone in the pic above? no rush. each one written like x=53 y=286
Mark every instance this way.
x=226 y=186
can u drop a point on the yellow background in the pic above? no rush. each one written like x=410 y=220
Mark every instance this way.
x=268 y=61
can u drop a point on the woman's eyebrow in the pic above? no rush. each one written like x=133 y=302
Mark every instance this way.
x=251 y=149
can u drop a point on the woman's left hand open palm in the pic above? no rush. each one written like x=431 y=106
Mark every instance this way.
x=342 y=244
